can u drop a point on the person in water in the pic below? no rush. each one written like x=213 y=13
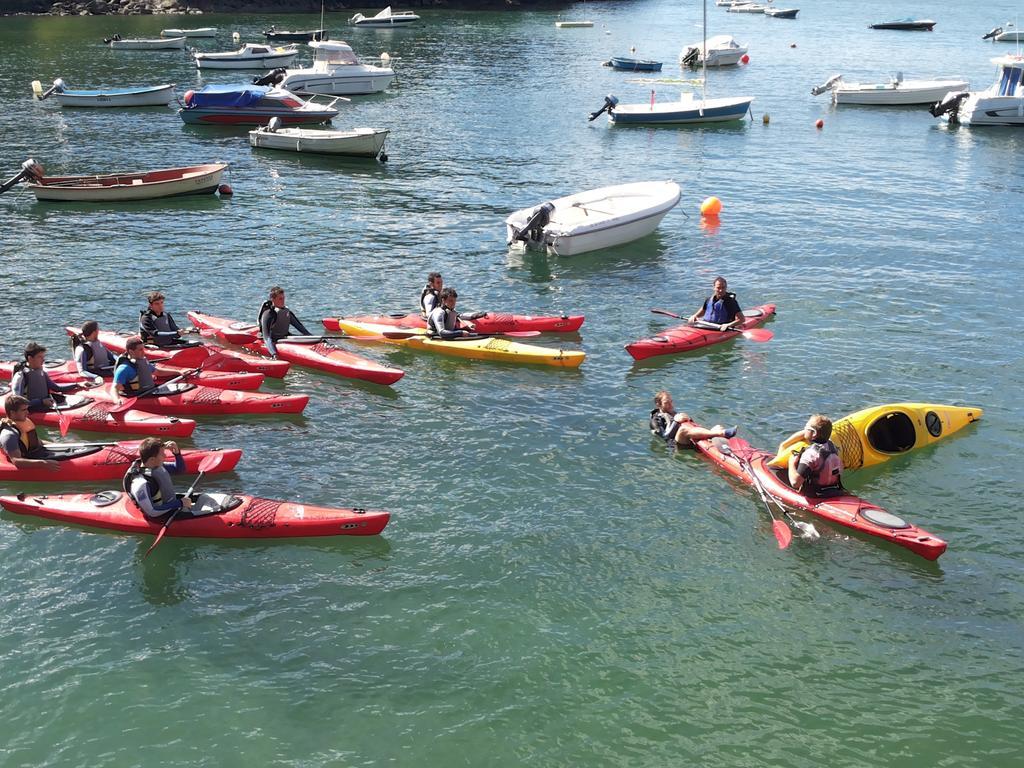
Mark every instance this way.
x=721 y=308
x=430 y=296
x=276 y=320
x=156 y=326
x=817 y=469
x=148 y=480
x=34 y=384
x=90 y=354
x=444 y=321
x=18 y=438
x=133 y=371
x=679 y=427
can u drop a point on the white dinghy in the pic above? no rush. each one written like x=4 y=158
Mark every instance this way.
x=893 y=93
x=359 y=142
x=595 y=219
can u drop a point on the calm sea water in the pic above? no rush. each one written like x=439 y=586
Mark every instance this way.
x=555 y=588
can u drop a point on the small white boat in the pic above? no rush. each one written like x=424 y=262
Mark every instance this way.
x=781 y=13
x=689 y=109
x=1007 y=33
x=335 y=72
x=573 y=24
x=249 y=56
x=145 y=96
x=747 y=8
x=1002 y=103
x=197 y=32
x=386 y=18
x=143 y=44
x=893 y=93
x=359 y=142
x=722 y=51
x=595 y=219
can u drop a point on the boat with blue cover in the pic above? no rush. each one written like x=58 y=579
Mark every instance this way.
x=247 y=104
x=627 y=64
x=142 y=96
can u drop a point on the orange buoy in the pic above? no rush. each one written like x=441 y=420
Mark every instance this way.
x=819 y=124
x=225 y=190
x=711 y=206
x=766 y=118
x=745 y=58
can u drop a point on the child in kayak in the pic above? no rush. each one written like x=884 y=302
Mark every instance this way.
x=721 y=308
x=18 y=438
x=158 y=327
x=275 y=320
x=444 y=322
x=33 y=383
x=148 y=480
x=133 y=372
x=90 y=354
x=679 y=427
x=430 y=296
x=817 y=469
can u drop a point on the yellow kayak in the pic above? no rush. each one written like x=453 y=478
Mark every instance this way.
x=877 y=434
x=474 y=348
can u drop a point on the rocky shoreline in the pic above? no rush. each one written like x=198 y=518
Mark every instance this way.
x=198 y=7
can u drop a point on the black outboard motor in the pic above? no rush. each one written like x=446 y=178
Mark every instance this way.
x=950 y=103
x=30 y=169
x=691 y=56
x=107 y=40
x=273 y=77
x=533 y=230
x=609 y=106
x=991 y=35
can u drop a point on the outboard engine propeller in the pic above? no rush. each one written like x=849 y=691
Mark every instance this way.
x=533 y=230
x=950 y=103
x=691 y=55
x=610 y=102
x=30 y=169
x=992 y=35
x=273 y=77
x=826 y=86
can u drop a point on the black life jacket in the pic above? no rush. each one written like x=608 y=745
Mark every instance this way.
x=426 y=292
x=265 y=307
x=660 y=422
x=146 y=336
x=137 y=470
x=78 y=340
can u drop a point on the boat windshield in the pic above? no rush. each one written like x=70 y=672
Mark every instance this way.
x=336 y=57
x=1010 y=80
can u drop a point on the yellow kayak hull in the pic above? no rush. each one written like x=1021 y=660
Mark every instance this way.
x=875 y=435
x=487 y=348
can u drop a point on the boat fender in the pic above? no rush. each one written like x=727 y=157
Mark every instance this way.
x=991 y=35
x=610 y=103
x=189 y=94
x=826 y=86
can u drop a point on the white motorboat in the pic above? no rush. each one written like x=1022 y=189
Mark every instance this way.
x=895 y=92
x=359 y=142
x=386 y=18
x=573 y=24
x=1008 y=33
x=335 y=72
x=197 y=32
x=249 y=56
x=722 y=51
x=595 y=219
x=144 y=44
x=746 y=8
x=781 y=13
x=1002 y=103
x=145 y=96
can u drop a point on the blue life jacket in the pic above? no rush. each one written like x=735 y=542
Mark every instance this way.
x=715 y=311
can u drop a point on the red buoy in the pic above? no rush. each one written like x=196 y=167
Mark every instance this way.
x=819 y=124
x=745 y=58
x=225 y=190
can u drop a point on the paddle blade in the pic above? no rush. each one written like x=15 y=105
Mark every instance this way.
x=124 y=405
x=782 y=533
x=211 y=462
x=159 y=536
x=758 y=334
x=64 y=421
x=666 y=312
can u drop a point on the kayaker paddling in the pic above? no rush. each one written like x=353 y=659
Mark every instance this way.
x=133 y=372
x=444 y=322
x=720 y=308
x=90 y=355
x=158 y=327
x=679 y=427
x=19 y=440
x=276 y=320
x=430 y=296
x=817 y=469
x=148 y=480
x=33 y=383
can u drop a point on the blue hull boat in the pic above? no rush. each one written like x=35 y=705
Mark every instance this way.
x=634 y=65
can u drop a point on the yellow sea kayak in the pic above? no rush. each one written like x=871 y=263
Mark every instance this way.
x=877 y=434
x=474 y=348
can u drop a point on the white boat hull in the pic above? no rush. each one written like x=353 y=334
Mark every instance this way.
x=248 y=62
x=113 y=188
x=359 y=142
x=200 y=32
x=895 y=94
x=355 y=84
x=573 y=24
x=598 y=218
x=981 y=109
x=150 y=97
x=168 y=44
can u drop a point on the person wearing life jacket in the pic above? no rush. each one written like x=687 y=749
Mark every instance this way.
x=19 y=441
x=133 y=371
x=817 y=469
x=444 y=322
x=721 y=308
x=90 y=354
x=276 y=320
x=34 y=384
x=148 y=480
x=430 y=296
x=679 y=427
x=156 y=326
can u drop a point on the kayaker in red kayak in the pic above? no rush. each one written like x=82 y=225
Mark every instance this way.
x=444 y=321
x=33 y=383
x=430 y=296
x=19 y=440
x=721 y=308
x=133 y=372
x=276 y=320
x=158 y=327
x=817 y=469
x=90 y=354
x=679 y=427
x=148 y=480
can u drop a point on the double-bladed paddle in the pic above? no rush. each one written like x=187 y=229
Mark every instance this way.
x=754 y=334
x=208 y=464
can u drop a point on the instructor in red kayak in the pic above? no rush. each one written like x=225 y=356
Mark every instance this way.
x=276 y=320
x=158 y=327
x=33 y=383
x=721 y=308
x=679 y=427
x=148 y=480
x=817 y=469
x=18 y=438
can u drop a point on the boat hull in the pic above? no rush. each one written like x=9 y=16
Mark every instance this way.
x=490 y=322
x=157 y=96
x=906 y=26
x=127 y=187
x=88 y=415
x=107 y=463
x=262 y=116
x=360 y=142
x=158 y=44
x=979 y=109
x=896 y=94
x=199 y=32
x=334 y=85
x=635 y=65
x=64 y=372
x=206 y=61
x=681 y=112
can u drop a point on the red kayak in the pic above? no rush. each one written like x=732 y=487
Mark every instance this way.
x=686 y=337
x=82 y=462
x=230 y=516
x=846 y=510
x=192 y=355
x=485 y=322
x=66 y=372
x=90 y=415
x=313 y=352
x=190 y=400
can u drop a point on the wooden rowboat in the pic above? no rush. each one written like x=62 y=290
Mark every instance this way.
x=120 y=187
